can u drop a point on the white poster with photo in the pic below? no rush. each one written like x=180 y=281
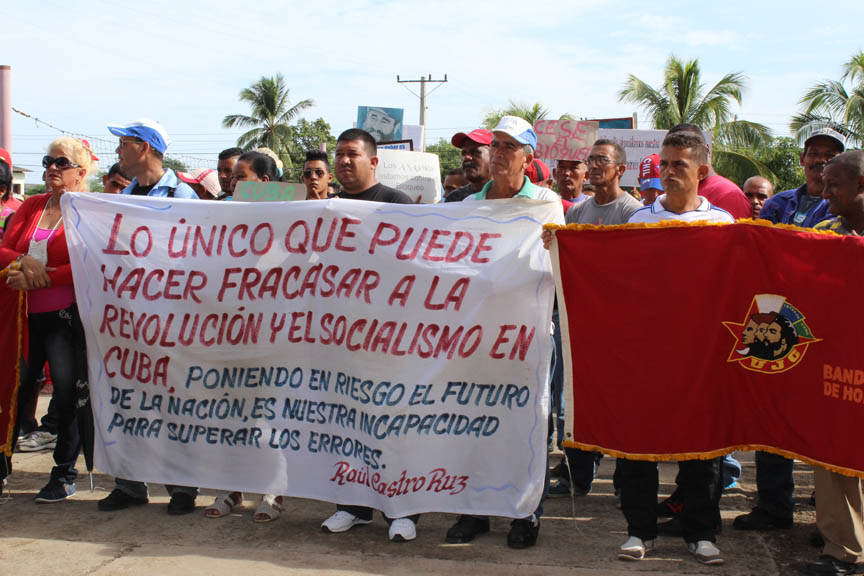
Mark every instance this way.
x=386 y=355
x=417 y=174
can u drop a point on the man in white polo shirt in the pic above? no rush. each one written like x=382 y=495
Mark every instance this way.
x=511 y=152
x=683 y=164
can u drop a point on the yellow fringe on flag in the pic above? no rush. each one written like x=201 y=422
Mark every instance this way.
x=13 y=404
x=713 y=454
x=680 y=224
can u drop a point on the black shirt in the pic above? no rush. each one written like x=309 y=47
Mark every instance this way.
x=378 y=193
x=460 y=194
x=142 y=190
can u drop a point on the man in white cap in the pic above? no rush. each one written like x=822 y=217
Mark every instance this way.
x=803 y=206
x=511 y=152
x=140 y=152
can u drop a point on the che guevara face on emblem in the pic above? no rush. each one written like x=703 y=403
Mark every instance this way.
x=773 y=336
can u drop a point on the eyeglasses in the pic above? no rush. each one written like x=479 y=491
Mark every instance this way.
x=61 y=163
x=317 y=171
x=124 y=141
x=599 y=160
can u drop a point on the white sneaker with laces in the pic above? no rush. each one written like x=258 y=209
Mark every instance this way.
x=402 y=530
x=635 y=549
x=706 y=552
x=37 y=441
x=342 y=521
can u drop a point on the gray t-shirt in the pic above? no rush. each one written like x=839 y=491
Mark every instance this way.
x=616 y=212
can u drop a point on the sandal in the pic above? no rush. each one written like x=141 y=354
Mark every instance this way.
x=224 y=504
x=269 y=509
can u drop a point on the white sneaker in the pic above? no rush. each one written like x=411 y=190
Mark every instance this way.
x=634 y=549
x=706 y=552
x=402 y=530
x=342 y=521
x=38 y=441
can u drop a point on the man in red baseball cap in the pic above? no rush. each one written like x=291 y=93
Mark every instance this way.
x=6 y=157
x=475 y=162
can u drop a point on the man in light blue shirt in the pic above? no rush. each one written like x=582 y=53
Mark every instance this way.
x=140 y=152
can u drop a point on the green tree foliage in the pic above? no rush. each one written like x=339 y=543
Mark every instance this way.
x=449 y=156
x=306 y=135
x=174 y=164
x=530 y=112
x=683 y=98
x=271 y=114
x=831 y=103
x=782 y=157
x=96 y=182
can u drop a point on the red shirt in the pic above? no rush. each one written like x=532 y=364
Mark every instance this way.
x=723 y=193
x=16 y=241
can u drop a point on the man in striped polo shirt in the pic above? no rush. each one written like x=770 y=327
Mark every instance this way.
x=683 y=164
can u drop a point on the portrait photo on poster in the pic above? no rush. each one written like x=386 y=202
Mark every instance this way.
x=384 y=124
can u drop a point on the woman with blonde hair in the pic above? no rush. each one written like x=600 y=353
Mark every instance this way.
x=36 y=257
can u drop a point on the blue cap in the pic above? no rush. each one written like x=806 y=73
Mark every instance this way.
x=519 y=129
x=147 y=130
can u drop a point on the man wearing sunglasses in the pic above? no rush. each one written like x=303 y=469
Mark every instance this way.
x=317 y=175
x=140 y=152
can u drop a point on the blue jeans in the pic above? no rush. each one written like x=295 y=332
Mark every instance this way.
x=556 y=400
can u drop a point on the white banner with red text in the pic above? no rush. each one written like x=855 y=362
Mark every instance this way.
x=385 y=355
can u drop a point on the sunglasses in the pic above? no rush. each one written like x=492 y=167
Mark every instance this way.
x=61 y=163
x=318 y=172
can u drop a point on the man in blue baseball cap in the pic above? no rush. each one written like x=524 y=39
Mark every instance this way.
x=140 y=152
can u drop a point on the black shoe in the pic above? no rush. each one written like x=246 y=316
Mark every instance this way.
x=181 y=503
x=759 y=519
x=119 y=500
x=523 y=533
x=828 y=566
x=466 y=529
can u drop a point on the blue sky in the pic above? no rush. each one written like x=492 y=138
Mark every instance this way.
x=82 y=65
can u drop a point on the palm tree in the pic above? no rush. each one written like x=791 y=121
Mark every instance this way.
x=270 y=118
x=530 y=112
x=683 y=98
x=830 y=104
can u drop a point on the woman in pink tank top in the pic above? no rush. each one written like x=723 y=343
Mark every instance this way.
x=36 y=241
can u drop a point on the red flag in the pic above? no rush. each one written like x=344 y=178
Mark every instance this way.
x=12 y=315
x=686 y=341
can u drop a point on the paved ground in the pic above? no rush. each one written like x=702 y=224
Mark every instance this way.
x=578 y=537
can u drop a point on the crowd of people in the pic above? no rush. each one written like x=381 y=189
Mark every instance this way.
x=679 y=183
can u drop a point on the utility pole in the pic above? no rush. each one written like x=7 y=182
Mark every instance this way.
x=423 y=81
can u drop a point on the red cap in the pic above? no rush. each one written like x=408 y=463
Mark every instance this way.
x=480 y=136
x=538 y=172
x=6 y=157
x=649 y=167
